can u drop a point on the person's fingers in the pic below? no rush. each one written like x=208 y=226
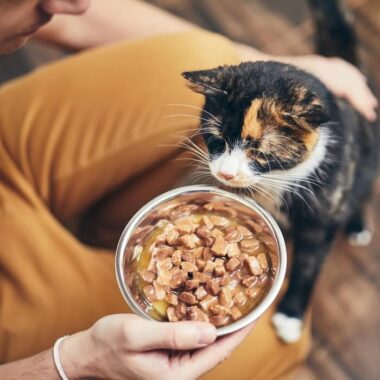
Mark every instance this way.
x=363 y=101
x=209 y=357
x=144 y=335
x=357 y=91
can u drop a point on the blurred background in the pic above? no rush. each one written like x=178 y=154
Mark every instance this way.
x=346 y=319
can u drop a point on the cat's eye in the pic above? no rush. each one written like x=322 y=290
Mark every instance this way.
x=215 y=145
x=251 y=143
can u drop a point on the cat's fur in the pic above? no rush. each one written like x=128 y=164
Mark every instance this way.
x=270 y=125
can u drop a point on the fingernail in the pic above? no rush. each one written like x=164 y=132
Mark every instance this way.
x=207 y=335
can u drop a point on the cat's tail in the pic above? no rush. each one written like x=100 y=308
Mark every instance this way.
x=335 y=34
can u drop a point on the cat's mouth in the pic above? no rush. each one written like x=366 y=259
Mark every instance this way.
x=232 y=169
x=235 y=181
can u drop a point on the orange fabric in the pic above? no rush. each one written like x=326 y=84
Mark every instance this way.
x=90 y=133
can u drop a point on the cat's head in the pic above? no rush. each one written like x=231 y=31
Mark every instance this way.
x=259 y=120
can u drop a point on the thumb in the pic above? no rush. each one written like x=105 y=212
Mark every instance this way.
x=144 y=335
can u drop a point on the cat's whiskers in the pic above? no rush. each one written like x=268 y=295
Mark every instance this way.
x=191 y=146
x=279 y=192
x=265 y=194
x=200 y=175
x=195 y=107
x=276 y=183
x=197 y=161
x=289 y=187
x=279 y=163
x=275 y=147
x=284 y=181
x=192 y=116
x=296 y=181
x=266 y=157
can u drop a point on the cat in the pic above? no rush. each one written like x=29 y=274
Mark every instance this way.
x=277 y=132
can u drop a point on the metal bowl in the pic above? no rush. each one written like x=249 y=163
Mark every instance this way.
x=126 y=249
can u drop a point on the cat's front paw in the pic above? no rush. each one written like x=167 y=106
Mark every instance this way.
x=288 y=329
x=360 y=239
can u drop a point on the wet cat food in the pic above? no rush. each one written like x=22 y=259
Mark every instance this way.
x=202 y=261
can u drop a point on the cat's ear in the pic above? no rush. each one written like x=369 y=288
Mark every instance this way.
x=206 y=82
x=314 y=115
x=308 y=117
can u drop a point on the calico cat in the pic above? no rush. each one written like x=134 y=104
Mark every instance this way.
x=279 y=133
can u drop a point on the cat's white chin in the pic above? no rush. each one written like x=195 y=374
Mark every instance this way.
x=235 y=164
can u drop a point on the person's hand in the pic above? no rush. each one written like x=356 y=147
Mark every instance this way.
x=340 y=77
x=125 y=346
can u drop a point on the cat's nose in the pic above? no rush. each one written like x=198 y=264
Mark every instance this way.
x=226 y=176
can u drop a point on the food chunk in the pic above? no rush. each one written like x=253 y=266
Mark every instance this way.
x=178 y=279
x=249 y=245
x=172 y=236
x=159 y=290
x=147 y=276
x=189 y=267
x=233 y=264
x=188 y=298
x=254 y=265
x=188 y=241
x=172 y=299
x=172 y=315
x=163 y=252
x=219 y=221
x=209 y=267
x=164 y=265
x=177 y=257
x=235 y=313
x=212 y=286
x=239 y=299
x=181 y=310
x=219 y=247
x=262 y=259
x=184 y=225
x=149 y=293
x=207 y=222
x=200 y=293
x=234 y=236
x=249 y=281
x=225 y=297
x=207 y=302
x=192 y=284
x=196 y=314
x=220 y=320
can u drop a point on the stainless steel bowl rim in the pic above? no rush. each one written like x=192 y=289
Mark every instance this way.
x=170 y=195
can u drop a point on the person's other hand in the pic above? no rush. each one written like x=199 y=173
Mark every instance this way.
x=340 y=77
x=125 y=346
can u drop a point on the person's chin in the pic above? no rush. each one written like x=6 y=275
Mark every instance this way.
x=10 y=46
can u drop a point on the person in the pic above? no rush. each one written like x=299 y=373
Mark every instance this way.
x=85 y=140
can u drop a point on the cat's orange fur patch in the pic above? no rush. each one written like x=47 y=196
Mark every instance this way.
x=251 y=126
x=310 y=140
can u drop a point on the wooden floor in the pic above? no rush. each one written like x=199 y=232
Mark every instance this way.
x=346 y=319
